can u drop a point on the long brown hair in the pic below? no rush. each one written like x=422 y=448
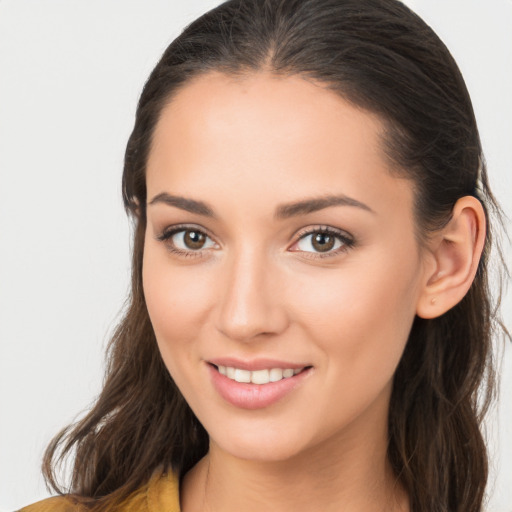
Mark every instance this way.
x=380 y=56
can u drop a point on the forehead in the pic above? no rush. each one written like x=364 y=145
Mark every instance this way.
x=269 y=137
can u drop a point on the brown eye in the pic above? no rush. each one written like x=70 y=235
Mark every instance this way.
x=194 y=239
x=183 y=240
x=323 y=242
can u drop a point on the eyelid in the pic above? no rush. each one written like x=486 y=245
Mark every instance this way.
x=346 y=238
x=167 y=233
x=322 y=228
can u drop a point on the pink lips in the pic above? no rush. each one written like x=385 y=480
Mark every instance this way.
x=254 y=396
x=257 y=364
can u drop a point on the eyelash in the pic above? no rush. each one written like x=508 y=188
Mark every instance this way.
x=346 y=240
x=168 y=233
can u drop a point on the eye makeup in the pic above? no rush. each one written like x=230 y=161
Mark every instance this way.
x=196 y=238
x=185 y=240
x=326 y=242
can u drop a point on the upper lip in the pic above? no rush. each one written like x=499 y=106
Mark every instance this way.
x=255 y=364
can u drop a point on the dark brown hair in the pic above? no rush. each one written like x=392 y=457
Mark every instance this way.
x=380 y=56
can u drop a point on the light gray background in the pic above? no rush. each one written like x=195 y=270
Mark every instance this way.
x=70 y=75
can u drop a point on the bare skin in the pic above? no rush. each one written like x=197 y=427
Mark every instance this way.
x=258 y=286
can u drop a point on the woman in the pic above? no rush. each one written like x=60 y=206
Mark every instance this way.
x=310 y=319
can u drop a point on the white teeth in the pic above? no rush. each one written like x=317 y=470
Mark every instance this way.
x=276 y=374
x=242 y=375
x=258 y=376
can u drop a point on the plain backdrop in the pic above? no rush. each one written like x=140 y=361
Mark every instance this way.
x=70 y=75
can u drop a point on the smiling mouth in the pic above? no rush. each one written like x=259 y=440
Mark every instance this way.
x=258 y=376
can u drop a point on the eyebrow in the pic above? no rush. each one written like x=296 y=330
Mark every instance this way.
x=283 y=211
x=189 y=205
x=306 y=206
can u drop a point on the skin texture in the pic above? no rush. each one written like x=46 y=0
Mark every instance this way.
x=260 y=289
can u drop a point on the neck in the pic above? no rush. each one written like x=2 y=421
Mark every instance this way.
x=345 y=473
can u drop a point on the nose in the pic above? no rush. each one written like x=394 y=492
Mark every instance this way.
x=250 y=305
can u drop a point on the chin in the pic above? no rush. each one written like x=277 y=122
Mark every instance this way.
x=264 y=443
x=261 y=450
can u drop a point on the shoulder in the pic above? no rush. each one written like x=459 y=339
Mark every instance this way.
x=160 y=494
x=56 y=504
x=163 y=493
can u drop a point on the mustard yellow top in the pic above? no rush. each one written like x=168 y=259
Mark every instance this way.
x=160 y=494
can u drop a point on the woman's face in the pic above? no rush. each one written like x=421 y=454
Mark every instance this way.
x=278 y=242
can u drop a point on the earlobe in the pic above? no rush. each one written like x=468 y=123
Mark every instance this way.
x=455 y=252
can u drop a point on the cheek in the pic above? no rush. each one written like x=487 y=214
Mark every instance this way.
x=178 y=302
x=361 y=315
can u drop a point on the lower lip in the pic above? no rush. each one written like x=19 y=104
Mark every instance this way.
x=254 y=396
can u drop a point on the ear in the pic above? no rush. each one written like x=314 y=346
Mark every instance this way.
x=453 y=255
x=135 y=207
